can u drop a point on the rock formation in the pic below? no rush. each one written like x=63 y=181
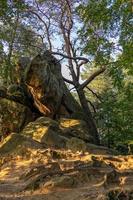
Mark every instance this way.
x=41 y=89
x=51 y=160
x=45 y=83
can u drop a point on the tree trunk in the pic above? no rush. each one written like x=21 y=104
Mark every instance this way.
x=88 y=116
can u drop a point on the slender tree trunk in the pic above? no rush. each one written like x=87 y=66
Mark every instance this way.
x=84 y=104
x=88 y=116
x=11 y=45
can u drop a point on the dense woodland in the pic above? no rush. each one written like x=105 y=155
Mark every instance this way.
x=91 y=41
x=66 y=100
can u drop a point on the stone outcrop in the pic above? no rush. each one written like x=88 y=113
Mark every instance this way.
x=75 y=128
x=46 y=85
x=69 y=134
x=42 y=89
x=13 y=117
x=17 y=144
x=57 y=133
x=45 y=131
x=39 y=91
x=50 y=158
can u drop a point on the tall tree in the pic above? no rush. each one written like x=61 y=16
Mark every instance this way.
x=63 y=15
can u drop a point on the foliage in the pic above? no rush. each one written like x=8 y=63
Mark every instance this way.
x=117 y=114
x=108 y=37
x=113 y=109
x=16 y=38
x=107 y=34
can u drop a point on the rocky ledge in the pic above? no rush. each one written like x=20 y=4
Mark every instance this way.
x=55 y=160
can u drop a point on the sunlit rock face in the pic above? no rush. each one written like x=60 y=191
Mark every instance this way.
x=68 y=134
x=16 y=144
x=44 y=82
x=64 y=133
x=45 y=131
x=76 y=128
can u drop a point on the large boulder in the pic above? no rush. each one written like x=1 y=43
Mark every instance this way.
x=59 y=133
x=46 y=131
x=17 y=143
x=13 y=117
x=75 y=128
x=45 y=84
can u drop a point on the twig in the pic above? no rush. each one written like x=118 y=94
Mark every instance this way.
x=94 y=93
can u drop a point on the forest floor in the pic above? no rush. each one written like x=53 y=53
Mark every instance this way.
x=53 y=174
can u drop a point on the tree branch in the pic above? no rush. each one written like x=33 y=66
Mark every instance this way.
x=69 y=57
x=97 y=96
x=83 y=63
x=68 y=81
x=92 y=77
x=46 y=27
x=92 y=105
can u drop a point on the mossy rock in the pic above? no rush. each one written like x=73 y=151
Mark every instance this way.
x=40 y=127
x=14 y=117
x=76 y=144
x=66 y=133
x=75 y=128
x=16 y=142
x=45 y=131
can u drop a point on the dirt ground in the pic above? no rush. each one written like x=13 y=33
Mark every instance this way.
x=63 y=175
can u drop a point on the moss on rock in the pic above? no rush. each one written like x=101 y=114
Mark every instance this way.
x=75 y=128
x=16 y=142
x=45 y=130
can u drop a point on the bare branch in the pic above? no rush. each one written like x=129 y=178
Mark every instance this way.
x=83 y=63
x=97 y=96
x=68 y=81
x=73 y=51
x=59 y=60
x=92 y=105
x=46 y=27
x=92 y=77
x=69 y=57
x=67 y=41
x=72 y=88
